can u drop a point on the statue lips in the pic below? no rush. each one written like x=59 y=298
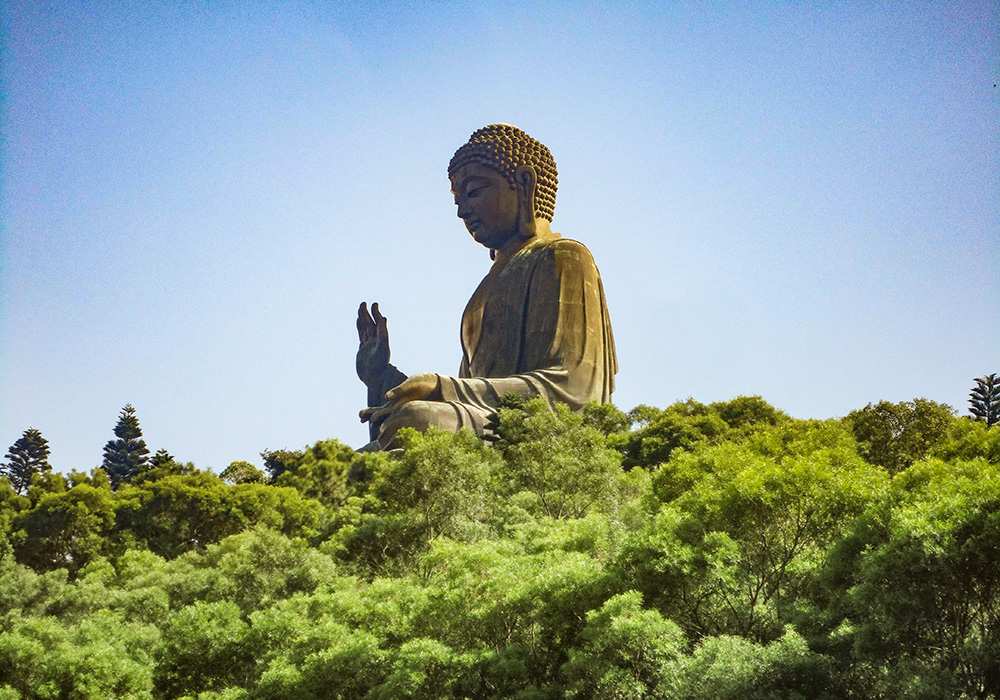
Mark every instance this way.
x=473 y=225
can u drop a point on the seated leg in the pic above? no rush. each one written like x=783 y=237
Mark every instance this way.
x=420 y=415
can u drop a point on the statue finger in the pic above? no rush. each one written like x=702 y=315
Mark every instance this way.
x=382 y=328
x=379 y=323
x=376 y=414
x=369 y=414
x=366 y=325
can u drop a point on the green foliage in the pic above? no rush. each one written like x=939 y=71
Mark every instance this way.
x=895 y=435
x=184 y=512
x=320 y=472
x=606 y=417
x=162 y=464
x=276 y=462
x=968 y=440
x=624 y=651
x=985 y=400
x=201 y=648
x=750 y=555
x=125 y=457
x=161 y=458
x=745 y=411
x=562 y=465
x=688 y=424
x=65 y=529
x=10 y=505
x=346 y=664
x=733 y=548
x=28 y=456
x=681 y=426
x=514 y=607
x=439 y=485
x=100 y=656
x=252 y=569
x=918 y=585
x=732 y=668
x=240 y=472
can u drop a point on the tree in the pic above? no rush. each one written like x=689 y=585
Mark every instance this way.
x=201 y=650
x=440 y=485
x=895 y=435
x=624 y=651
x=747 y=411
x=985 y=400
x=65 y=530
x=319 y=472
x=682 y=426
x=732 y=548
x=126 y=456
x=918 y=586
x=562 y=465
x=277 y=462
x=162 y=458
x=183 y=512
x=28 y=456
x=241 y=472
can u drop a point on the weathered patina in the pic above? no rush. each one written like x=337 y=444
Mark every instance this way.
x=538 y=323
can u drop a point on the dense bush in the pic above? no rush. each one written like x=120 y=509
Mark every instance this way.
x=699 y=551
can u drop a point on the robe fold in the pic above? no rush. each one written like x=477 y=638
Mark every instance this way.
x=537 y=325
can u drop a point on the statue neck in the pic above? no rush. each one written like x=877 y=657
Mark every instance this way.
x=540 y=231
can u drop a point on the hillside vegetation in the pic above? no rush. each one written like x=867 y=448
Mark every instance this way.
x=721 y=551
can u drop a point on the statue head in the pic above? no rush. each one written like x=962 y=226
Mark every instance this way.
x=506 y=148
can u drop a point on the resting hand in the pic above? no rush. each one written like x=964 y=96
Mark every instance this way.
x=373 y=352
x=416 y=387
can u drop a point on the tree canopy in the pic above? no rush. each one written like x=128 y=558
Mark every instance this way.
x=698 y=551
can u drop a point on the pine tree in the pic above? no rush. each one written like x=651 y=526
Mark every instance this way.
x=985 y=399
x=29 y=455
x=125 y=457
x=162 y=458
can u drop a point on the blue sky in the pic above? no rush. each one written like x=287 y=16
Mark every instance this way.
x=796 y=200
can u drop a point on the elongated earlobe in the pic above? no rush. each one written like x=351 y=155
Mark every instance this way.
x=526 y=179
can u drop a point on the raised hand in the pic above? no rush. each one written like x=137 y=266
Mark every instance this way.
x=373 y=351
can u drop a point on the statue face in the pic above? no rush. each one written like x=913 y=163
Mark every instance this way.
x=486 y=203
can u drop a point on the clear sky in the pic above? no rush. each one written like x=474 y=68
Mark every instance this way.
x=798 y=200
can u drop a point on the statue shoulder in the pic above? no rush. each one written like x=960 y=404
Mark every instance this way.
x=560 y=246
x=570 y=252
x=563 y=256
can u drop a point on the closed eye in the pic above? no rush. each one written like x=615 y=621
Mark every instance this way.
x=475 y=192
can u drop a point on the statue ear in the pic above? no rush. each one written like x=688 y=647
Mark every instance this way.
x=526 y=179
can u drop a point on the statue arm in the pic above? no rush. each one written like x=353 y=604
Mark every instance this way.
x=391 y=378
x=485 y=392
x=373 y=366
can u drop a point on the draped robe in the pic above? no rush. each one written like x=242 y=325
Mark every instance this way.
x=537 y=325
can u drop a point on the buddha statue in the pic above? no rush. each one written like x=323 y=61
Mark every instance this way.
x=537 y=325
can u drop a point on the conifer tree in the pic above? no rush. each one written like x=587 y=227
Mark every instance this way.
x=29 y=455
x=125 y=457
x=985 y=399
x=162 y=458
